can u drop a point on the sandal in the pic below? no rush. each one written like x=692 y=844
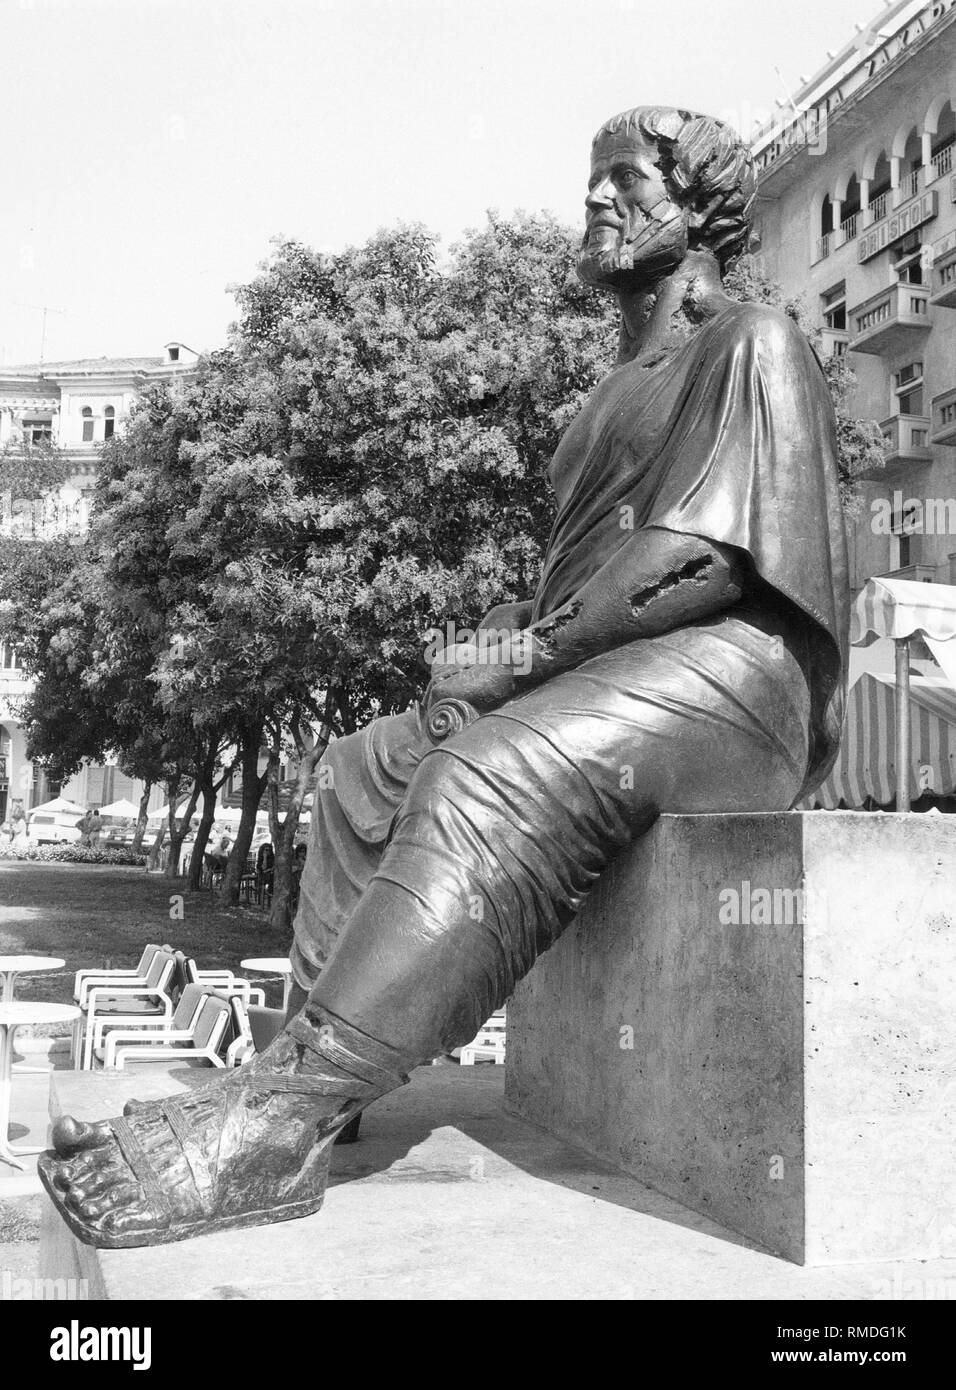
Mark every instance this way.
x=208 y=1197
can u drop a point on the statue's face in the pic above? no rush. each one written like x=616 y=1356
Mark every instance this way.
x=635 y=232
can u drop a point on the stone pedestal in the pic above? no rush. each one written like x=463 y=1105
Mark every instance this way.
x=756 y=1015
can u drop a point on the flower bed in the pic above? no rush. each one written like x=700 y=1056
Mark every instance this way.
x=70 y=854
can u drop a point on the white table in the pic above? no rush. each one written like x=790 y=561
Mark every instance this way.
x=13 y=1016
x=12 y=966
x=274 y=965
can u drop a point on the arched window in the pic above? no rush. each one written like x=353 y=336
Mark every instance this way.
x=826 y=216
x=943 y=142
x=109 y=422
x=879 y=187
x=850 y=213
x=912 y=163
x=87 y=415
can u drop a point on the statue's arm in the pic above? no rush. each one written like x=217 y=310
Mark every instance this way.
x=659 y=580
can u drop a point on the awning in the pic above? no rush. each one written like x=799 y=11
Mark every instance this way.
x=120 y=810
x=61 y=805
x=900 y=608
x=866 y=767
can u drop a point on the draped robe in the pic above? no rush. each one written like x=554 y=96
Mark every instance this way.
x=731 y=438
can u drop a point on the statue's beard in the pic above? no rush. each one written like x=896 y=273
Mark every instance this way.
x=611 y=260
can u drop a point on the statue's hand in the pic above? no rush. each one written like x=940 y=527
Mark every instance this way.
x=508 y=617
x=483 y=684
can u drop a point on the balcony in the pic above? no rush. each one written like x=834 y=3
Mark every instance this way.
x=876 y=208
x=944 y=418
x=849 y=228
x=833 y=342
x=919 y=574
x=891 y=321
x=822 y=248
x=944 y=280
x=908 y=188
x=905 y=441
x=941 y=164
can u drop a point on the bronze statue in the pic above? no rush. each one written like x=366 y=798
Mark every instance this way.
x=683 y=652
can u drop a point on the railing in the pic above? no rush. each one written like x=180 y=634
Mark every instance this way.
x=849 y=226
x=3 y=767
x=877 y=208
x=822 y=249
x=909 y=187
x=942 y=162
x=944 y=280
x=900 y=301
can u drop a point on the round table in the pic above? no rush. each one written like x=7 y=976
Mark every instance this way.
x=275 y=965
x=22 y=1014
x=12 y=966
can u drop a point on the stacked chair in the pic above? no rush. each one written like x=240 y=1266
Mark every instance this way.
x=164 y=1009
x=123 y=997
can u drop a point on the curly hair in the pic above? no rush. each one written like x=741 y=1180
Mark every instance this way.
x=706 y=166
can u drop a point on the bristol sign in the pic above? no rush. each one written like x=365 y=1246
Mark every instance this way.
x=913 y=214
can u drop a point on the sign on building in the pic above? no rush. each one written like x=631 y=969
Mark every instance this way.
x=882 y=234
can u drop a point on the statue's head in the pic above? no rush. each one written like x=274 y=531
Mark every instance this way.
x=664 y=181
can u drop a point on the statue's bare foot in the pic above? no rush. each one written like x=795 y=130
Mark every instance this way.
x=251 y=1146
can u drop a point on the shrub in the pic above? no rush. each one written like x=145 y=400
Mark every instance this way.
x=70 y=854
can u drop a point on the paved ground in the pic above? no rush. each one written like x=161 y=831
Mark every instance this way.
x=449 y=1197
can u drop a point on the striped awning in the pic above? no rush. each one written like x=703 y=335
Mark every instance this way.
x=866 y=767
x=901 y=608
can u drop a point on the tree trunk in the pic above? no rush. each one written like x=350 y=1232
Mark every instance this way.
x=252 y=788
x=280 y=912
x=194 y=877
x=178 y=829
x=283 y=835
x=141 y=819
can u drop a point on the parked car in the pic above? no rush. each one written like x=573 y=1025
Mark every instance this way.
x=52 y=828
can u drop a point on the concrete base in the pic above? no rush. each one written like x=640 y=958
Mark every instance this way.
x=793 y=1081
x=446 y=1196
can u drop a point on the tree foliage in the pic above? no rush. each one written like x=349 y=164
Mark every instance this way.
x=271 y=542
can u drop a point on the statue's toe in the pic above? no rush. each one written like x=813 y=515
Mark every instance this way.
x=72 y=1136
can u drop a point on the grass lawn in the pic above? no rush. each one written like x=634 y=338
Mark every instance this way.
x=95 y=914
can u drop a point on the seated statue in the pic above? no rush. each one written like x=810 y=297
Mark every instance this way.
x=684 y=652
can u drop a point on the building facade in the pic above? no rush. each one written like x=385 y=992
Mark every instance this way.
x=856 y=213
x=73 y=407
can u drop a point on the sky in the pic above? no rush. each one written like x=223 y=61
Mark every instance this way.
x=153 y=148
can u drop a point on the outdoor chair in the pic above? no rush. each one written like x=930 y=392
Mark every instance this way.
x=151 y=997
x=146 y=1028
x=212 y=872
x=265 y=874
x=239 y=1046
x=197 y=1046
x=247 y=879
x=86 y=979
x=224 y=982
x=266 y=1024
x=488 y=1042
